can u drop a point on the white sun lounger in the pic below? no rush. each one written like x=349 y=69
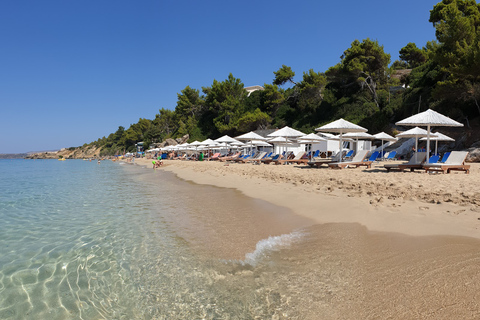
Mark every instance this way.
x=455 y=161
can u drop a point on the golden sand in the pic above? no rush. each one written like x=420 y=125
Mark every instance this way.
x=377 y=245
x=413 y=203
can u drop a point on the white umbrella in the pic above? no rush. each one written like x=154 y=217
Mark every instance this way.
x=310 y=138
x=280 y=141
x=384 y=137
x=226 y=140
x=429 y=119
x=287 y=132
x=251 y=136
x=437 y=136
x=414 y=133
x=341 y=126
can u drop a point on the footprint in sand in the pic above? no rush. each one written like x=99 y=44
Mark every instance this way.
x=423 y=208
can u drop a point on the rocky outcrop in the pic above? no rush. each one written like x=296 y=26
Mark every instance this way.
x=474 y=153
x=70 y=153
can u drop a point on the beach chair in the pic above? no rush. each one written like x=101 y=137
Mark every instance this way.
x=373 y=157
x=415 y=162
x=318 y=162
x=274 y=158
x=349 y=154
x=215 y=156
x=455 y=161
x=258 y=157
x=433 y=159
x=297 y=159
x=445 y=157
x=232 y=157
x=391 y=155
x=358 y=160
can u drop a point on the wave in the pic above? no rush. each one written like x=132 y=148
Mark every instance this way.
x=266 y=246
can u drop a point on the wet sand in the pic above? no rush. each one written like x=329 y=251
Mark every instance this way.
x=376 y=245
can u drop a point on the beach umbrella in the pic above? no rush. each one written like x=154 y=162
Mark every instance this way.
x=250 y=136
x=310 y=138
x=341 y=126
x=226 y=140
x=195 y=144
x=439 y=137
x=357 y=136
x=384 y=137
x=280 y=141
x=286 y=132
x=429 y=119
x=413 y=133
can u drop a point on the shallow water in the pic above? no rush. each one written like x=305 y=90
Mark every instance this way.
x=80 y=240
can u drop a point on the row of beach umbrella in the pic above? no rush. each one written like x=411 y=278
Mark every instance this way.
x=346 y=130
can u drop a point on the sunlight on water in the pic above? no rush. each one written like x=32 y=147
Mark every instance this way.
x=80 y=240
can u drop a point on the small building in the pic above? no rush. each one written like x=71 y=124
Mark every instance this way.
x=253 y=88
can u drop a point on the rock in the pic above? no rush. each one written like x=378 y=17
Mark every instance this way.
x=170 y=142
x=473 y=155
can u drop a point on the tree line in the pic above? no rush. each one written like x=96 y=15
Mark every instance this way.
x=364 y=88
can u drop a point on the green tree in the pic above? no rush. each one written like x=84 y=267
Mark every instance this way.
x=284 y=75
x=310 y=90
x=225 y=104
x=253 y=121
x=412 y=55
x=273 y=99
x=364 y=65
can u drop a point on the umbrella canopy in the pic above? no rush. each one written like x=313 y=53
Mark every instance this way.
x=414 y=133
x=260 y=143
x=250 y=136
x=310 y=138
x=287 y=132
x=226 y=139
x=437 y=136
x=429 y=119
x=341 y=126
x=384 y=137
x=279 y=139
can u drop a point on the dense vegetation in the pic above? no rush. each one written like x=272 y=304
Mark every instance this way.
x=364 y=87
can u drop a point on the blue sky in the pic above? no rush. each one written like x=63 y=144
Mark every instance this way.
x=73 y=71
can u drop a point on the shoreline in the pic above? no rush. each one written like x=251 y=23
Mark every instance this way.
x=410 y=203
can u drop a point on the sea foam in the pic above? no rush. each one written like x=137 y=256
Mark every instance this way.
x=265 y=246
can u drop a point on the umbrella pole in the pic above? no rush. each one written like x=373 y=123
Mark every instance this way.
x=341 y=146
x=436 y=146
x=428 y=142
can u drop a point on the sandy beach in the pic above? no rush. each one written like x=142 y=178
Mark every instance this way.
x=376 y=245
x=411 y=203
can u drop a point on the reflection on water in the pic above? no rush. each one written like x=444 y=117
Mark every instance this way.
x=85 y=241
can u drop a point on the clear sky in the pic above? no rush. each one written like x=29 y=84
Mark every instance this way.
x=74 y=71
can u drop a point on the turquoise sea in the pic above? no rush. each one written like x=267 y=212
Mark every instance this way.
x=81 y=240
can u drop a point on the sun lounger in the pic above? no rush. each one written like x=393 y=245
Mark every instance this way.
x=415 y=162
x=274 y=158
x=318 y=162
x=455 y=161
x=215 y=156
x=358 y=160
x=297 y=159
x=232 y=157
x=433 y=159
x=258 y=157
x=445 y=157
x=391 y=155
